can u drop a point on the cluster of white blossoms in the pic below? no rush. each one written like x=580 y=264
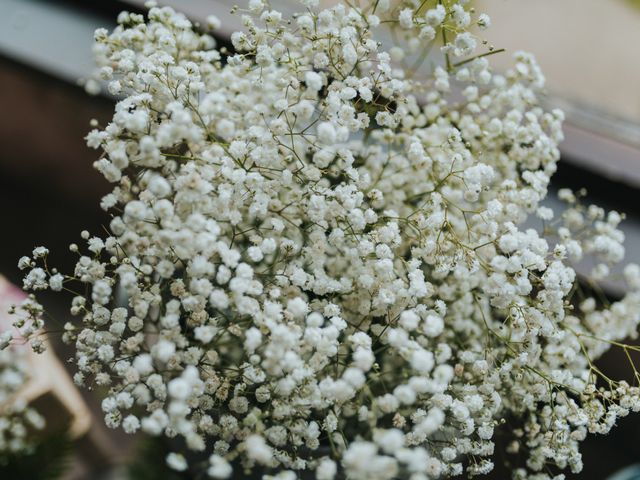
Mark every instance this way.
x=20 y=423
x=317 y=259
x=18 y=420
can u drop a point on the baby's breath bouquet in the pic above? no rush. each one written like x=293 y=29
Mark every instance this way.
x=317 y=262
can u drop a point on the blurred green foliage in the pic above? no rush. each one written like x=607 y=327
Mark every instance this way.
x=148 y=462
x=49 y=461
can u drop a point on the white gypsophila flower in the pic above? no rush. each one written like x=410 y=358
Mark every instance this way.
x=176 y=461
x=324 y=254
x=19 y=422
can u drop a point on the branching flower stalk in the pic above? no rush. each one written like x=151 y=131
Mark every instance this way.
x=323 y=253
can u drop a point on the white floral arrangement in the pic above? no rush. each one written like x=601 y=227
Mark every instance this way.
x=320 y=242
x=18 y=420
x=20 y=423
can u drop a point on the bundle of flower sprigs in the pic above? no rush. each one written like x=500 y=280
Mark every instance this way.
x=317 y=260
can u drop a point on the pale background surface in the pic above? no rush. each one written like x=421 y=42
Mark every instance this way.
x=589 y=50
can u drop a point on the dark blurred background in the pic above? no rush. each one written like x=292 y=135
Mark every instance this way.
x=49 y=191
